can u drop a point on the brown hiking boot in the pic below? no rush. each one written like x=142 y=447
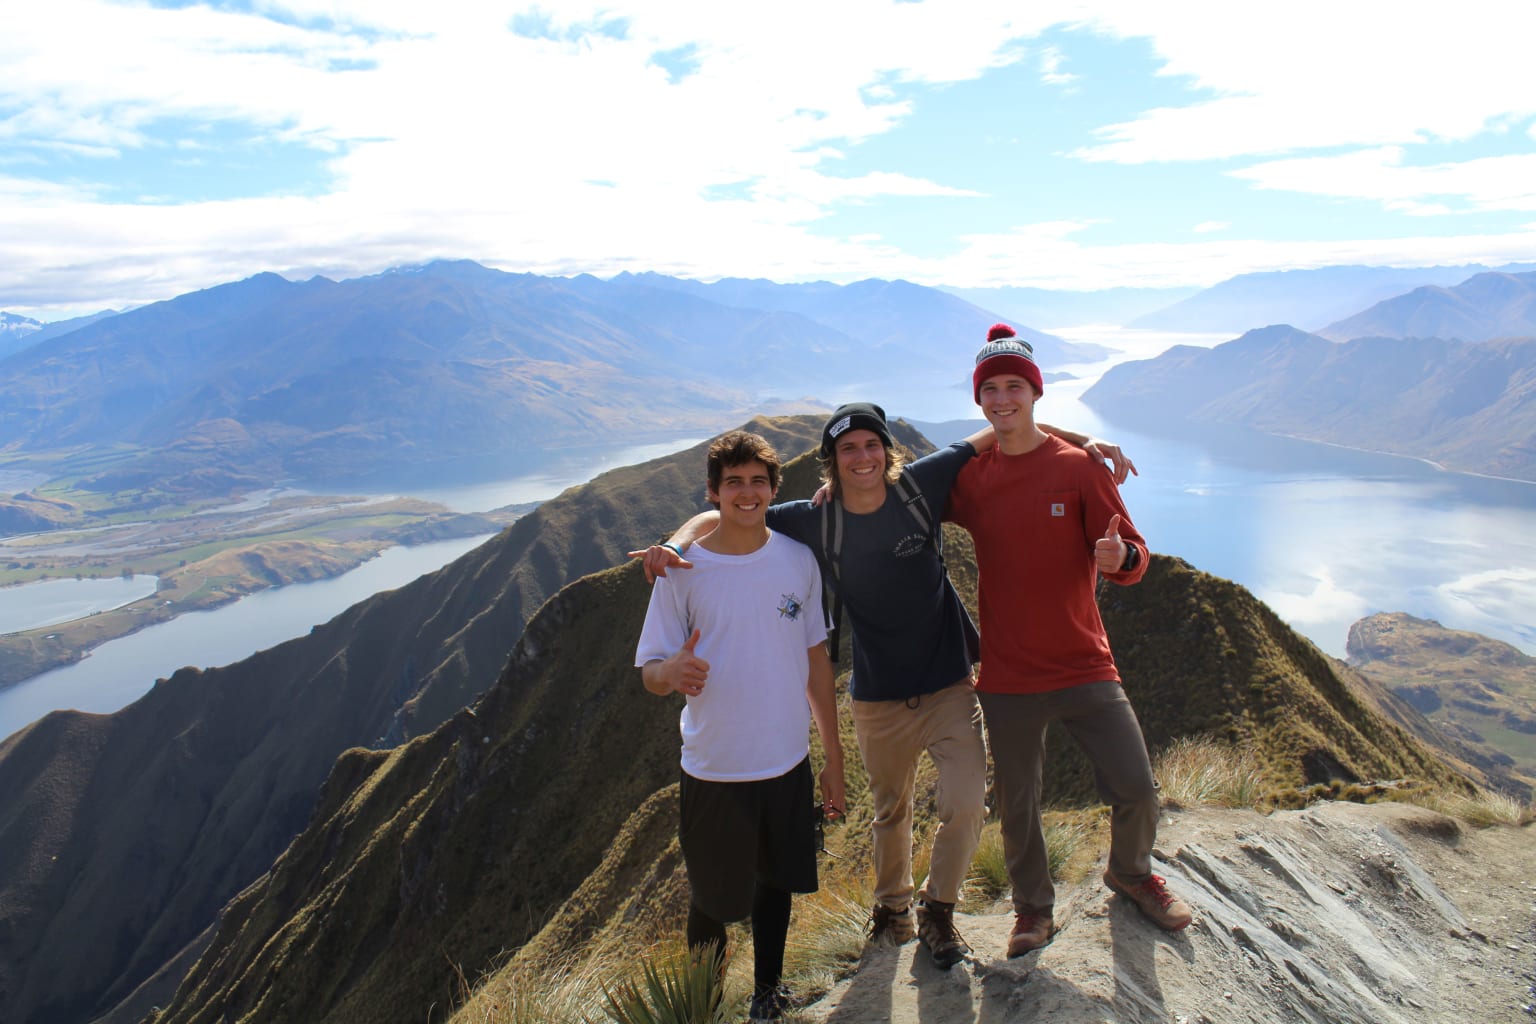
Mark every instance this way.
x=1154 y=900
x=1030 y=932
x=892 y=926
x=936 y=929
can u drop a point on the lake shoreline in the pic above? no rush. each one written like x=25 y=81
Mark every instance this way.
x=206 y=585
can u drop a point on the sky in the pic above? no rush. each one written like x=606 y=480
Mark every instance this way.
x=151 y=149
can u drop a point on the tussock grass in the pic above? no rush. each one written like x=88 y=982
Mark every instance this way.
x=663 y=984
x=988 y=881
x=827 y=935
x=1482 y=809
x=567 y=992
x=1203 y=772
x=1069 y=835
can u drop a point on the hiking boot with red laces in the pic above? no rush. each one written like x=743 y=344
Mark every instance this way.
x=892 y=926
x=936 y=929
x=1154 y=900
x=1030 y=932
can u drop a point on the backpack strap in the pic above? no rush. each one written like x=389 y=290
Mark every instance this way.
x=911 y=496
x=831 y=591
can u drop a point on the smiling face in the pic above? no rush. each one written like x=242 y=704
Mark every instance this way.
x=1008 y=402
x=860 y=459
x=743 y=494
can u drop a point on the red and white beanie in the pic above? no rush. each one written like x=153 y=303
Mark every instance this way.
x=1004 y=353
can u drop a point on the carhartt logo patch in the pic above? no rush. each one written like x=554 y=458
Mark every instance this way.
x=1058 y=508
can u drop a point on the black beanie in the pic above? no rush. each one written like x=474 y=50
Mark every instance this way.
x=854 y=416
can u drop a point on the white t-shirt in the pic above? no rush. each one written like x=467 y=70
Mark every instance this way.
x=757 y=616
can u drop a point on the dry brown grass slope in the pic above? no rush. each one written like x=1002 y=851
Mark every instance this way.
x=123 y=835
x=1479 y=691
x=550 y=801
x=458 y=845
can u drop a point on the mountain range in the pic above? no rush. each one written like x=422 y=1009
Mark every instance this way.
x=450 y=364
x=455 y=369
x=1481 y=308
x=1466 y=406
x=1310 y=299
x=331 y=829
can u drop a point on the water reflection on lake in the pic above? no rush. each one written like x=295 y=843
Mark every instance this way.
x=51 y=602
x=119 y=672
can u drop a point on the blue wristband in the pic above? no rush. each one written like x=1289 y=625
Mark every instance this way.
x=672 y=548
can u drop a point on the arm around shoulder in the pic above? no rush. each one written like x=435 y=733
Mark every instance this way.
x=670 y=554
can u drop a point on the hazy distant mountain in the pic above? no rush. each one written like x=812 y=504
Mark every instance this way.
x=1481 y=308
x=19 y=332
x=16 y=332
x=899 y=319
x=267 y=379
x=1469 y=406
x=1309 y=298
x=1050 y=308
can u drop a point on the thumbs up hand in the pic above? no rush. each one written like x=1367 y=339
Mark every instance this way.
x=1109 y=550
x=685 y=671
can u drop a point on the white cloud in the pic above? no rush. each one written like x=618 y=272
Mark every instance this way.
x=1315 y=74
x=444 y=132
x=1490 y=183
x=1048 y=257
x=1051 y=61
x=1207 y=227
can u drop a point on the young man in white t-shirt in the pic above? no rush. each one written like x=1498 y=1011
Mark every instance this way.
x=741 y=637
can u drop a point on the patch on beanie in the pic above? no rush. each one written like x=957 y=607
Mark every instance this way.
x=841 y=425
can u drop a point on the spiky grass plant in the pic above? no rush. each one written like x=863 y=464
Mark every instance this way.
x=1200 y=772
x=673 y=990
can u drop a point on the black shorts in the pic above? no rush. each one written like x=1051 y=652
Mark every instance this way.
x=735 y=834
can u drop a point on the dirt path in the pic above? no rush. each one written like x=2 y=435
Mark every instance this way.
x=1378 y=914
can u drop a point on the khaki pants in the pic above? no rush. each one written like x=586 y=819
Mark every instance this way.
x=1103 y=723
x=892 y=735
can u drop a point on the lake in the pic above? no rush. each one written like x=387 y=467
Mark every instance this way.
x=118 y=672
x=54 y=601
x=1323 y=535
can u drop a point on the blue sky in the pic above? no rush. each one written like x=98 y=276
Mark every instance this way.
x=151 y=149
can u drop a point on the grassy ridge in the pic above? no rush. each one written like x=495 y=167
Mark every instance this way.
x=539 y=822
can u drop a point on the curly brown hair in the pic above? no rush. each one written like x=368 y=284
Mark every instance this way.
x=738 y=448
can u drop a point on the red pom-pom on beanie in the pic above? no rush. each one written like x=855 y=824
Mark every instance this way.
x=999 y=331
